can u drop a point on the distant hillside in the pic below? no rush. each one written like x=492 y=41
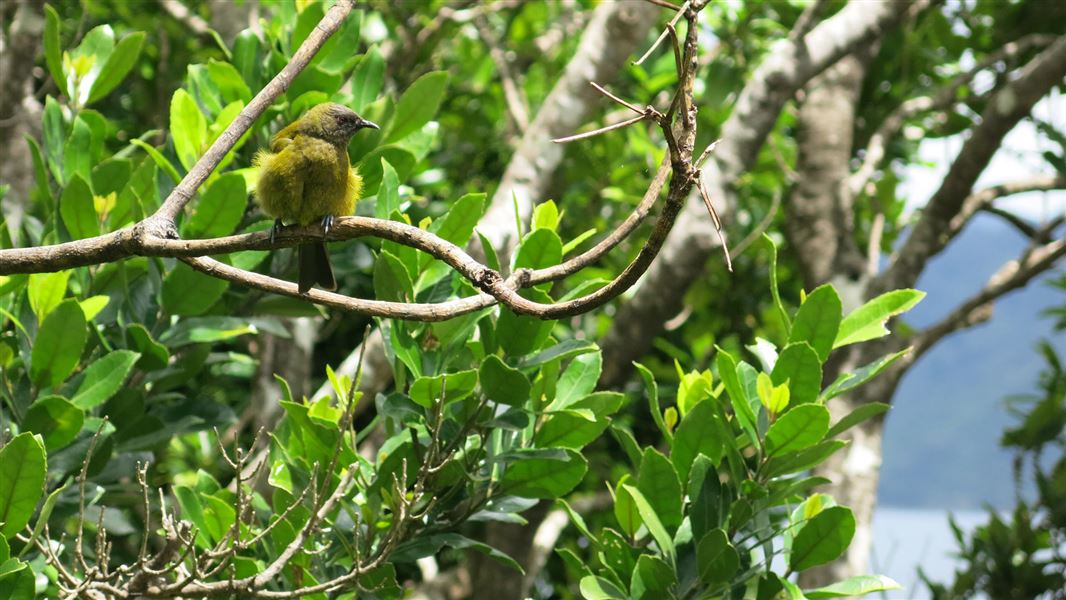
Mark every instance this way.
x=941 y=439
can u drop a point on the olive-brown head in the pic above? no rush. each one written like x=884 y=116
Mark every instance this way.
x=331 y=122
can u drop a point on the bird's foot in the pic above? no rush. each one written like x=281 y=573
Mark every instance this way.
x=275 y=230
x=327 y=224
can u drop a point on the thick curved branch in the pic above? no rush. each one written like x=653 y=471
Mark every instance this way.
x=1006 y=108
x=946 y=96
x=984 y=198
x=789 y=66
x=609 y=39
x=978 y=308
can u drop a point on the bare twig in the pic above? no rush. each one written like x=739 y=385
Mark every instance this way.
x=662 y=36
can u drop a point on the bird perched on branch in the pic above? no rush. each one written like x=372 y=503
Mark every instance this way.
x=306 y=177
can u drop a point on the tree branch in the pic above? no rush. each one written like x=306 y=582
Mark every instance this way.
x=978 y=308
x=1005 y=108
x=982 y=199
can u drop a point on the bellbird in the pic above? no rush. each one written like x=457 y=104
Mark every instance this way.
x=306 y=177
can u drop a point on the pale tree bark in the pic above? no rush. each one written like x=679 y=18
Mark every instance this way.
x=20 y=112
x=787 y=68
x=610 y=39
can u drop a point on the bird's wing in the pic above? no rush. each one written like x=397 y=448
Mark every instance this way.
x=283 y=138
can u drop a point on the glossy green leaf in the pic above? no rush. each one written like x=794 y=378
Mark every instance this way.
x=188 y=128
x=391 y=280
x=782 y=313
x=578 y=380
x=46 y=291
x=570 y=429
x=859 y=585
x=23 y=464
x=388 y=194
x=625 y=509
x=103 y=378
x=658 y=481
x=822 y=539
x=55 y=137
x=716 y=558
x=56 y=419
x=161 y=161
x=427 y=390
x=598 y=588
x=118 y=66
x=77 y=152
x=868 y=321
x=546 y=216
x=190 y=293
x=539 y=249
x=727 y=372
x=798 y=364
x=846 y=382
x=431 y=545
x=860 y=414
x=544 y=474
x=652 y=579
x=700 y=432
x=219 y=209
x=87 y=62
x=818 y=321
x=708 y=499
x=652 y=522
x=53 y=53
x=520 y=335
x=367 y=79
x=77 y=209
x=503 y=384
x=804 y=459
x=418 y=104
x=59 y=343
x=153 y=354
x=798 y=429
x=561 y=351
x=652 y=389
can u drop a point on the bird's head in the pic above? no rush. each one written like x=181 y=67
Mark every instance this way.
x=333 y=122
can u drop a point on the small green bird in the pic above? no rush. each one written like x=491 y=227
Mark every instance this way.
x=306 y=177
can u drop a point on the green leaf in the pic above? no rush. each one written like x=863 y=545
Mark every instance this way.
x=709 y=500
x=822 y=539
x=846 y=382
x=219 y=209
x=503 y=384
x=570 y=429
x=59 y=343
x=160 y=160
x=652 y=389
x=42 y=520
x=46 y=291
x=561 y=351
x=652 y=522
x=77 y=209
x=426 y=390
x=625 y=509
x=546 y=216
x=521 y=334
x=785 y=321
x=859 y=585
x=700 y=432
x=860 y=414
x=367 y=79
x=457 y=227
x=246 y=56
x=805 y=459
x=231 y=86
x=574 y=243
x=95 y=50
x=578 y=380
x=103 y=378
x=388 y=195
x=400 y=158
x=818 y=321
x=53 y=54
x=391 y=280
x=598 y=588
x=55 y=136
x=797 y=429
x=716 y=558
x=153 y=354
x=118 y=66
x=55 y=419
x=418 y=105
x=23 y=464
x=868 y=321
x=652 y=579
x=541 y=248
x=77 y=152
x=188 y=292
x=659 y=483
x=430 y=545
x=727 y=372
x=544 y=474
x=798 y=365
x=188 y=128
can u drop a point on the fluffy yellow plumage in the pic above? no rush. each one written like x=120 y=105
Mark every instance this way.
x=306 y=177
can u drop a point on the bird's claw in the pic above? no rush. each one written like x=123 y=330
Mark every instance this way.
x=327 y=224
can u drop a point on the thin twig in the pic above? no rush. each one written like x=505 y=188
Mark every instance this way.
x=630 y=106
x=595 y=132
x=662 y=36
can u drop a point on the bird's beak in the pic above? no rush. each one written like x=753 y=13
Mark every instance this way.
x=364 y=124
